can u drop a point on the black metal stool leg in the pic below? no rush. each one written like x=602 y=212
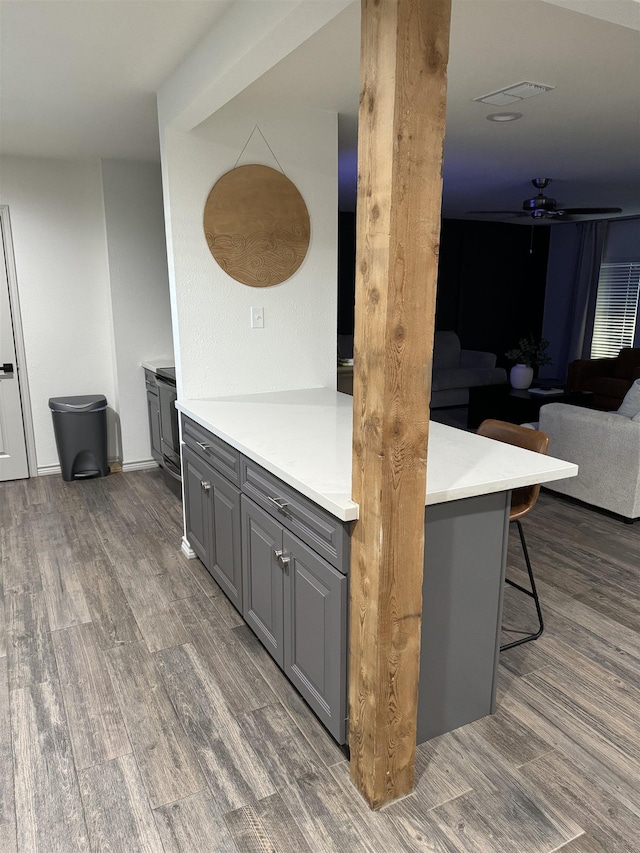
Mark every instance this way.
x=532 y=593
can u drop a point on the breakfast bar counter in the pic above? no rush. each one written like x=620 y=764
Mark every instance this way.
x=304 y=438
x=277 y=468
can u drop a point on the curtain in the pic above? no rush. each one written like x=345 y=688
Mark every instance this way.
x=575 y=255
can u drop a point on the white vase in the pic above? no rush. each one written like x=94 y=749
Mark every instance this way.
x=521 y=376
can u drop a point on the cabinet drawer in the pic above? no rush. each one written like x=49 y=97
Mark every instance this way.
x=212 y=449
x=319 y=529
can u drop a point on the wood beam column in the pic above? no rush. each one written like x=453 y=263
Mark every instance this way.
x=404 y=54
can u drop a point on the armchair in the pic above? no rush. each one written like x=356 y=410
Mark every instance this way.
x=608 y=378
x=606 y=448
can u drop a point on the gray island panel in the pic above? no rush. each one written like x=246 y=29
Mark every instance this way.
x=464 y=565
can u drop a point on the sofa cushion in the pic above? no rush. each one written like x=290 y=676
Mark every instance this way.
x=446 y=351
x=631 y=404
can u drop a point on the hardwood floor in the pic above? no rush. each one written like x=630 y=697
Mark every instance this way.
x=139 y=713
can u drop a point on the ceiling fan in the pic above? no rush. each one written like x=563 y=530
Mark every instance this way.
x=542 y=207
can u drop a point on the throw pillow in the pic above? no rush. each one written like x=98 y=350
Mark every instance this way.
x=631 y=404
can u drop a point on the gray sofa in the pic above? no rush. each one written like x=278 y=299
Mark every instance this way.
x=455 y=370
x=606 y=448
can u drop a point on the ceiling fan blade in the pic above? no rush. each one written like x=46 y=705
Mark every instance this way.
x=510 y=212
x=585 y=210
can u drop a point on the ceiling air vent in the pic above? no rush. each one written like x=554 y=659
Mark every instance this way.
x=511 y=94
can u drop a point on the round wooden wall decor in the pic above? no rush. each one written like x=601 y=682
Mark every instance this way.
x=257 y=225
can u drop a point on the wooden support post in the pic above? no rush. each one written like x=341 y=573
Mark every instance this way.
x=404 y=58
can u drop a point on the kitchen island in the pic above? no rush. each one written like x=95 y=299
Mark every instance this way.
x=269 y=511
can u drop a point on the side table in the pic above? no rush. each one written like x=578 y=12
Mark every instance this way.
x=505 y=403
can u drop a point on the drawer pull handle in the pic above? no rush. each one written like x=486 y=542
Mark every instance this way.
x=280 y=503
x=203 y=445
x=283 y=559
x=205 y=485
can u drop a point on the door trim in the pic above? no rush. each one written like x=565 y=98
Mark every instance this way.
x=21 y=358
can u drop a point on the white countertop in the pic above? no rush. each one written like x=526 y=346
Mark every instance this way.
x=304 y=438
x=155 y=364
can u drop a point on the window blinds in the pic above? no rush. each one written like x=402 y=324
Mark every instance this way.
x=616 y=308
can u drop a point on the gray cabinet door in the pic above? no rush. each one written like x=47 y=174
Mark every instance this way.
x=212 y=510
x=225 y=561
x=195 y=473
x=262 y=577
x=315 y=626
x=153 y=411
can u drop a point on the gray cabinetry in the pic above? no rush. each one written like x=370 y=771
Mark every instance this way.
x=287 y=571
x=263 y=577
x=225 y=558
x=296 y=603
x=153 y=412
x=197 y=506
x=315 y=633
x=212 y=510
x=222 y=457
x=309 y=522
x=278 y=557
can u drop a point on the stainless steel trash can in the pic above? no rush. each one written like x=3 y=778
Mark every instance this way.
x=80 y=427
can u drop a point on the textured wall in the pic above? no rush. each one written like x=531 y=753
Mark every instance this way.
x=139 y=290
x=57 y=219
x=217 y=352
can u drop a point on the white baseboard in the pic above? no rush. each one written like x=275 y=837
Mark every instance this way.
x=47 y=470
x=187 y=550
x=142 y=465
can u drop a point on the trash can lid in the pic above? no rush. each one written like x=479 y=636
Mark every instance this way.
x=88 y=403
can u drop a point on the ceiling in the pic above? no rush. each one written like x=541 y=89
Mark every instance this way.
x=78 y=80
x=78 y=77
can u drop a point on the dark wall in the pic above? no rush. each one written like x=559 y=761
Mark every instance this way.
x=490 y=285
x=346 y=271
x=491 y=282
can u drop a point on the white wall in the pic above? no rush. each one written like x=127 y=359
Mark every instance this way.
x=57 y=219
x=216 y=351
x=139 y=290
x=93 y=287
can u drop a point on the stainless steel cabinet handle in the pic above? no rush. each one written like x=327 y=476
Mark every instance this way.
x=203 y=445
x=283 y=559
x=280 y=503
x=205 y=485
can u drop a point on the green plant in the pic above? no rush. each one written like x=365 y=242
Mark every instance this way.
x=530 y=351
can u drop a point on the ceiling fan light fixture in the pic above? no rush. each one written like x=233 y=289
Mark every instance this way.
x=545 y=207
x=504 y=116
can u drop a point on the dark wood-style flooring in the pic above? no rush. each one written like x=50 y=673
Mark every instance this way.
x=138 y=712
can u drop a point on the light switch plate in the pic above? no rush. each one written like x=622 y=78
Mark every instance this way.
x=257 y=318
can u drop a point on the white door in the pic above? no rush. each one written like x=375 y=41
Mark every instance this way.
x=13 y=447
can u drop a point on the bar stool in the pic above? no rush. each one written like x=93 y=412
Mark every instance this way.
x=523 y=501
